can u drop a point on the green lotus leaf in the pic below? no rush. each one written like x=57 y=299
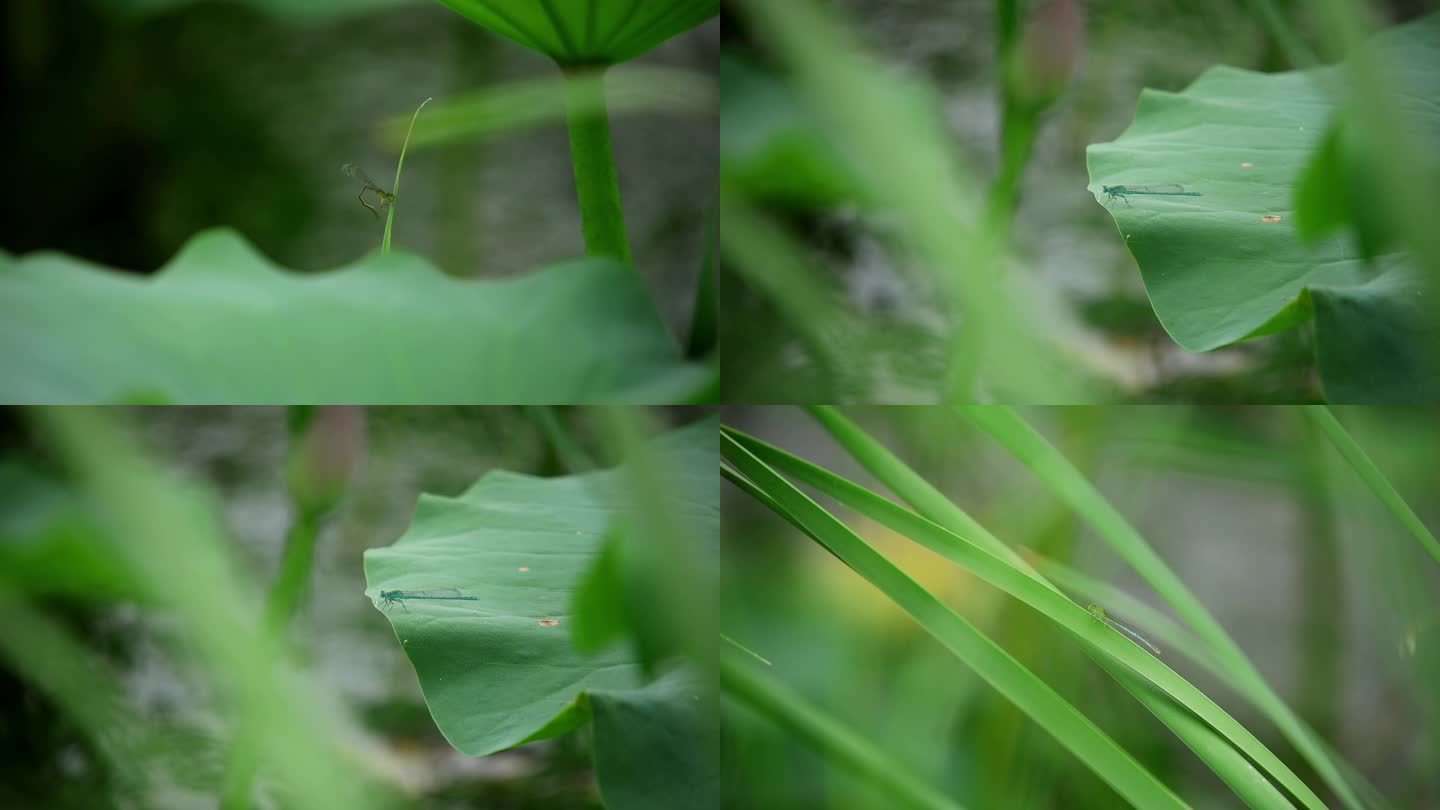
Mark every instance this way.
x=222 y=324
x=1229 y=264
x=578 y=33
x=639 y=762
x=498 y=668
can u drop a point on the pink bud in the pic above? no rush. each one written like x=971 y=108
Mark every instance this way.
x=1049 y=51
x=326 y=457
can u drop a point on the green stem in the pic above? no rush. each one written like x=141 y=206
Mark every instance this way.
x=280 y=605
x=1373 y=478
x=1322 y=593
x=826 y=735
x=1296 y=51
x=240 y=775
x=395 y=189
x=1007 y=30
x=1019 y=125
x=761 y=252
x=597 y=186
x=571 y=455
x=460 y=242
x=704 y=316
x=294 y=574
x=281 y=602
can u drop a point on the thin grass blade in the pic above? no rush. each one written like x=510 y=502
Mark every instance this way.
x=1030 y=694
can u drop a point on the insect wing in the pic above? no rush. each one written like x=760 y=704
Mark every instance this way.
x=433 y=593
x=359 y=174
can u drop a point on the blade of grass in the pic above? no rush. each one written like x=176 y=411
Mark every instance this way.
x=933 y=504
x=827 y=735
x=1072 y=488
x=1297 y=53
x=1229 y=764
x=1322 y=592
x=1023 y=584
x=1360 y=462
x=1155 y=624
x=705 y=309
x=41 y=651
x=908 y=484
x=742 y=648
x=771 y=261
x=1031 y=695
x=1174 y=637
x=395 y=189
x=568 y=450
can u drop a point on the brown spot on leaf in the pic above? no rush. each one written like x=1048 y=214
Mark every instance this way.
x=1270 y=218
x=522 y=569
x=549 y=622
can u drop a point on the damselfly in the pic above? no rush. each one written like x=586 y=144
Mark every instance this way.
x=383 y=198
x=1167 y=190
x=389 y=599
x=1099 y=613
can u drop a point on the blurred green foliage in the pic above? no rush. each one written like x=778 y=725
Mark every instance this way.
x=133 y=578
x=1025 y=88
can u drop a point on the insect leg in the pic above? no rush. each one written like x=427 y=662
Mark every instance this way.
x=366 y=204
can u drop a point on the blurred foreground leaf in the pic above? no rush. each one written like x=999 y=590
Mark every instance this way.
x=771 y=147
x=587 y=32
x=304 y=11
x=638 y=761
x=524 y=104
x=500 y=670
x=1230 y=265
x=221 y=324
x=51 y=542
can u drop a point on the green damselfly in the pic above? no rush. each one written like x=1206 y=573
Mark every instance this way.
x=389 y=599
x=383 y=198
x=1166 y=190
x=1099 y=613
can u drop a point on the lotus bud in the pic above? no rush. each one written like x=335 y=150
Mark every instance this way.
x=325 y=457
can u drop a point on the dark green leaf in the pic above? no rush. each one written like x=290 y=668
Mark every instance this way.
x=658 y=747
x=500 y=669
x=587 y=32
x=1229 y=265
